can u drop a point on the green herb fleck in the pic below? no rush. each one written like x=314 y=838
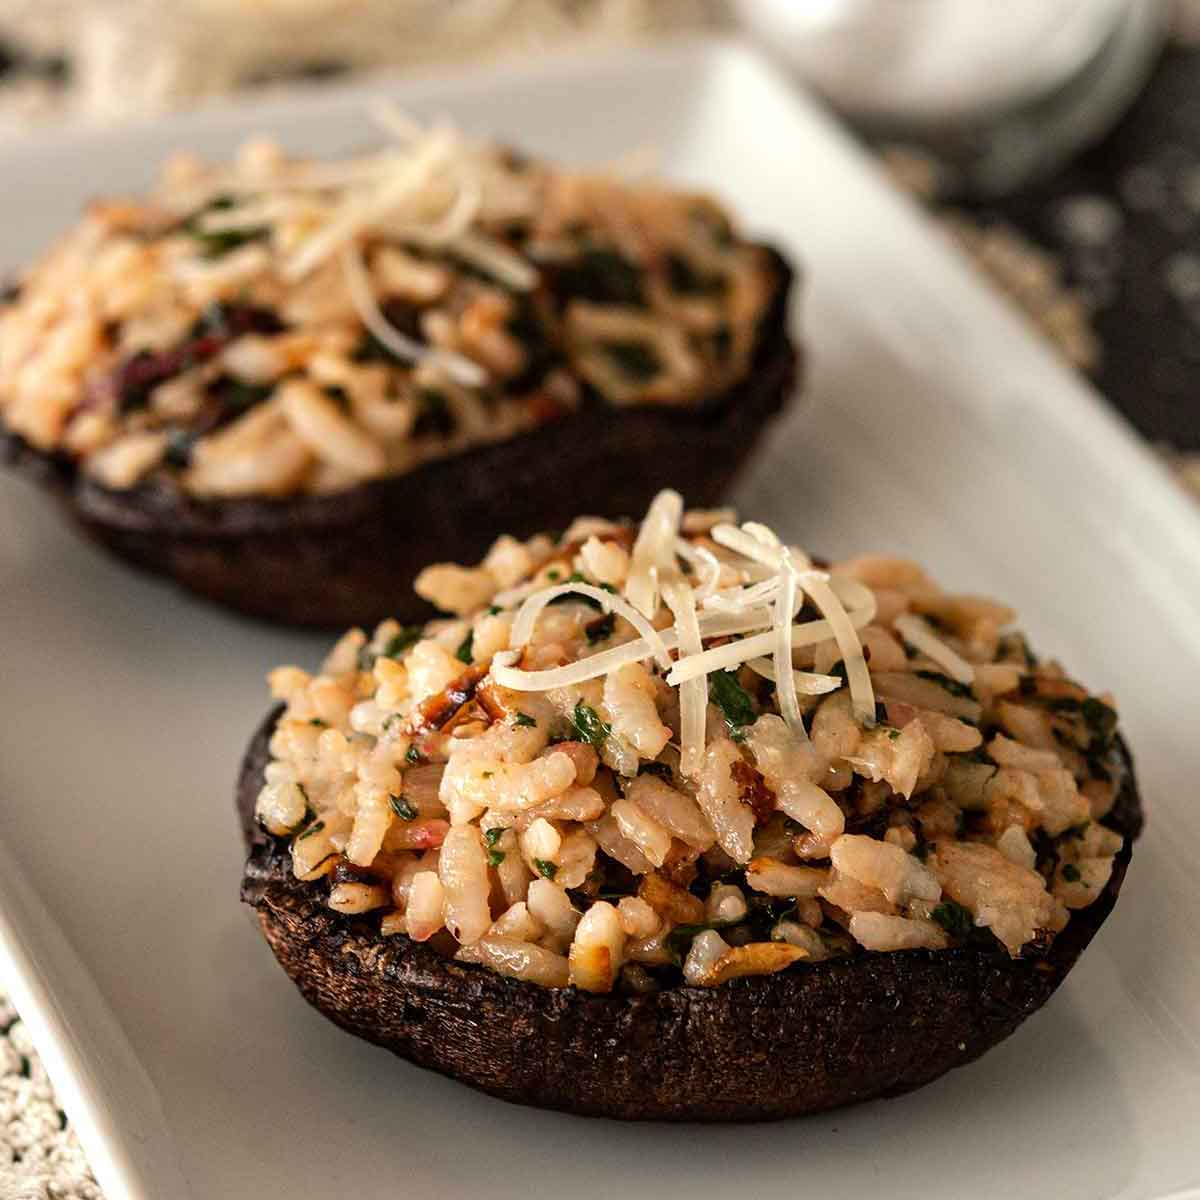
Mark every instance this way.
x=316 y=827
x=465 y=651
x=638 y=360
x=589 y=726
x=495 y=857
x=402 y=808
x=1071 y=873
x=554 y=575
x=319 y=723
x=216 y=243
x=524 y=721
x=396 y=645
x=413 y=755
x=494 y=610
x=893 y=734
x=546 y=869
x=954 y=918
x=733 y=700
x=493 y=835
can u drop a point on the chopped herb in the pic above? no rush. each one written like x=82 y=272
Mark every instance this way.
x=638 y=360
x=465 y=651
x=1071 y=873
x=954 y=918
x=546 y=869
x=402 y=808
x=893 y=734
x=733 y=700
x=656 y=768
x=1028 y=685
x=495 y=857
x=494 y=610
x=601 y=629
x=215 y=243
x=554 y=575
x=688 y=280
x=413 y=755
x=589 y=726
x=319 y=723
x=961 y=690
x=493 y=835
x=524 y=721
x=315 y=827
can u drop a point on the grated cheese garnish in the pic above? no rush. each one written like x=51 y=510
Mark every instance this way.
x=757 y=617
x=918 y=635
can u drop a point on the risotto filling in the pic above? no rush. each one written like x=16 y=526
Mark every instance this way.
x=281 y=326
x=635 y=756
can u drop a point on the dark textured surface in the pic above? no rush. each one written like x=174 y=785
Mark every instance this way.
x=350 y=558
x=814 y=1037
x=1142 y=276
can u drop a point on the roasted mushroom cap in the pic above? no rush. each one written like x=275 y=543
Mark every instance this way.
x=343 y=559
x=813 y=1037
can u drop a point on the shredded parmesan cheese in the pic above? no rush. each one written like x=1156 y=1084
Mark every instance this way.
x=693 y=694
x=653 y=551
x=918 y=635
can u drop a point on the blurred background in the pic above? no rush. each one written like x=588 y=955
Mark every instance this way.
x=1057 y=141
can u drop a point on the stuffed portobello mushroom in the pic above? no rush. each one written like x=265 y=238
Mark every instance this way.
x=655 y=800
x=259 y=376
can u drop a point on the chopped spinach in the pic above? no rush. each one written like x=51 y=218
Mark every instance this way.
x=493 y=835
x=524 y=721
x=956 y=920
x=319 y=723
x=465 y=651
x=546 y=869
x=495 y=857
x=403 y=808
x=589 y=726
x=733 y=700
x=216 y=243
x=1071 y=874
x=413 y=755
x=315 y=827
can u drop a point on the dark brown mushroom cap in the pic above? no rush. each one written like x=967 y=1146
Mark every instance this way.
x=350 y=558
x=813 y=1037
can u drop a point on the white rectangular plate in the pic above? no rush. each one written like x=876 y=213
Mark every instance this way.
x=934 y=424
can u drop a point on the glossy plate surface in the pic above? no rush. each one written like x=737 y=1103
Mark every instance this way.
x=936 y=426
